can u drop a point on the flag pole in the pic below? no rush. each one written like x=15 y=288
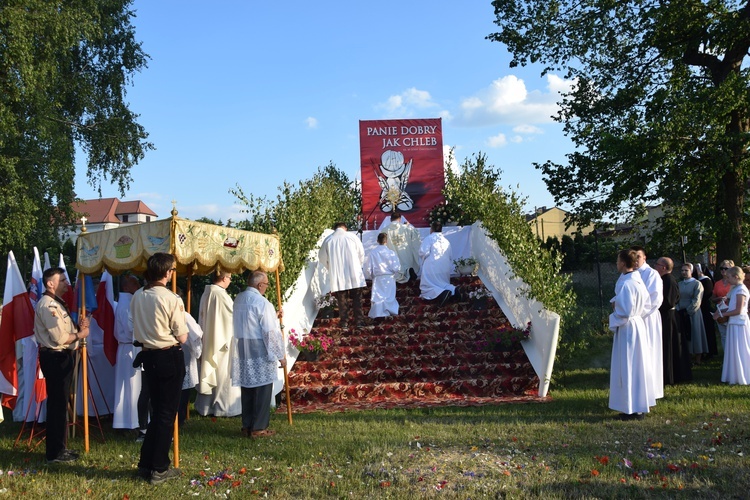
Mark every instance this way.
x=283 y=341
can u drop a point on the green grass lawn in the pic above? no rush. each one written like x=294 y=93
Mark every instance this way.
x=693 y=445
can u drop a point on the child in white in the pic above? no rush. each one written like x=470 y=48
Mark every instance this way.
x=736 y=368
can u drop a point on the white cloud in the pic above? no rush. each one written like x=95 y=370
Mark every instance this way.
x=497 y=141
x=527 y=129
x=508 y=101
x=311 y=122
x=407 y=103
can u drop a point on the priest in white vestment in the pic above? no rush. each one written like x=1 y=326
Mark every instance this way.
x=652 y=318
x=437 y=264
x=343 y=255
x=216 y=395
x=380 y=266
x=404 y=239
x=127 y=378
x=629 y=384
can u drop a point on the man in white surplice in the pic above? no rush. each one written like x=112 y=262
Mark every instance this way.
x=343 y=255
x=127 y=378
x=629 y=384
x=380 y=266
x=404 y=239
x=652 y=318
x=437 y=263
x=216 y=395
x=258 y=352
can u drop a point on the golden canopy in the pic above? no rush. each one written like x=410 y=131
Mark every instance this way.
x=197 y=246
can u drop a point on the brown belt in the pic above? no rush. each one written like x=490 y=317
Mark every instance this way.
x=160 y=348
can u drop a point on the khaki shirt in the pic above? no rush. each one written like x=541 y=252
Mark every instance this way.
x=53 y=324
x=158 y=317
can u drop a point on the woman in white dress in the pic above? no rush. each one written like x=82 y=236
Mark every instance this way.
x=736 y=368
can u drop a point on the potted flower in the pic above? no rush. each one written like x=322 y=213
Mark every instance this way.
x=326 y=305
x=310 y=346
x=479 y=297
x=504 y=338
x=465 y=267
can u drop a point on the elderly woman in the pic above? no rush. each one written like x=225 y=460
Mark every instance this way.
x=736 y=369
x=719 y=297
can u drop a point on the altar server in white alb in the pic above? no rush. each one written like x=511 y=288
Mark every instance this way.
x=127 y=378
x=380 y=266
x=437 y=264
x=652 y=318
x=191 y=350
x=404 y=239
x=343 y=255
x=629 y=384
x=216 y=395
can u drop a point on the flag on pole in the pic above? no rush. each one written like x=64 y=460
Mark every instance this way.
x=36 y=287
x=90 y=296
x=105 y=316
x=69 y=296
x=17 y=323
x=37 y=277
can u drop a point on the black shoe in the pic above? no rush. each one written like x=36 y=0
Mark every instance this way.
x=64 y=456
x=444 y=297
x=160 y=477
x=412 y=275
x=631 y=416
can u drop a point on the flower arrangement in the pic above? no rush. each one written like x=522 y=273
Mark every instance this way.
x=327 y=301
x=505 y=337
x=479 y=293
x=310 y=343
x=444 y=213
x=462 y=265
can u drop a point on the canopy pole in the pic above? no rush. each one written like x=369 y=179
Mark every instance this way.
x=283 y=340
x=84 y=369
x=176 y=435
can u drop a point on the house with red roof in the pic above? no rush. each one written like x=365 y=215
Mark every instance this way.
x=108 y=213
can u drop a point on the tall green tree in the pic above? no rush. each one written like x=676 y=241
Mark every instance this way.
x=660 y=111
x=64 y=69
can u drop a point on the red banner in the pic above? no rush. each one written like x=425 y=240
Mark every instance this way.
x=402 y=169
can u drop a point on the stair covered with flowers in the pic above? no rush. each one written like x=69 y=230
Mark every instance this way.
x=462 y=354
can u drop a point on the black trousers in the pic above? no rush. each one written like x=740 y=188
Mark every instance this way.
x=256 y=407
x=57 y=367
x=164 y=371
x=342 y=296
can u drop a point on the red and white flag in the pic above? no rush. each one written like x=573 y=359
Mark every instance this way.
x=36 y=287
x=17 y=323
x=105 y=316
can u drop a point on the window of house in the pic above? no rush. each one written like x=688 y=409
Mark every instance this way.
x=125 y=218
x=148 y=218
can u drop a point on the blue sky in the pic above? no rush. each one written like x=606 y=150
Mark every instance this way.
x=257 y=93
